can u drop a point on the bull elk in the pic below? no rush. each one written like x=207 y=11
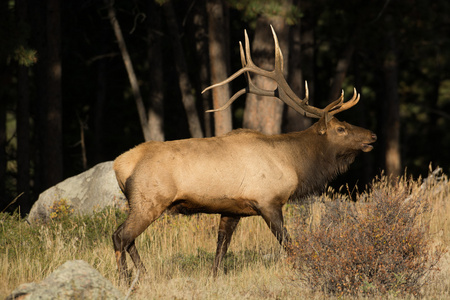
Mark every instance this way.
x=244 y=173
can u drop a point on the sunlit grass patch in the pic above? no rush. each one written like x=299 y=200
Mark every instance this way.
x=178 y=251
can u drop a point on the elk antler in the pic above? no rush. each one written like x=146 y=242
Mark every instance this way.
x=283 y=90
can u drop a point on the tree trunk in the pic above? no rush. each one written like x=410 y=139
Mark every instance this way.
x=5 y=75
x=293 y=120
x=367 y=170
x=309 y=50
x=341 y=71
x=435 y=150
x=183 y=77
x=218 y=55
x=130 y=70
x=23 y=138
x=52 y=137
x=100 y=101
x=3 y=162
x=200 y=24
x=265 y=113
x=155 y=57
x=392 y=110
x=38 y=41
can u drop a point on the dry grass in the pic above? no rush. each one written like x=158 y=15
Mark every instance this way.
x=178 y=252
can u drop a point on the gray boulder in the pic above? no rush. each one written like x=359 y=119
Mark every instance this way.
x=74 y=279
x=85 y=193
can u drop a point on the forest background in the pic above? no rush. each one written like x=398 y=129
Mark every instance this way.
x=83 y=81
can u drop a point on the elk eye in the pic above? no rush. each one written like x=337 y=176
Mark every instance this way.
x=340 y=129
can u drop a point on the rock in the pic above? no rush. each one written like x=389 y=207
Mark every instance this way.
x=84 y=193
x=74 y=279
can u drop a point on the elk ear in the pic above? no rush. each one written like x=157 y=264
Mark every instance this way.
x=322 y=125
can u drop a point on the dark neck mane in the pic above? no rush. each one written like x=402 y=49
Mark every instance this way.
x=318 y=163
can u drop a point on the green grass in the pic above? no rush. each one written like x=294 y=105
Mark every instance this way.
x=178 y=252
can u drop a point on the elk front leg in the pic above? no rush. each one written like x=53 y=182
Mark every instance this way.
x=135 y=257
x=124 y=239
x=227 y=226
x=274 y=219
x=121 y=259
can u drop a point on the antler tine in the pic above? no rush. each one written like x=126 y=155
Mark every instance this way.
x=228 y=80
x=285 y=92
x=243 y=58
x=248 y=66
x=278 y=54
x=345 y=105
x=230 y=101
x=247 y=61
x=251 y=87
x=305 y=101
x=336 y=104
x=248 y=55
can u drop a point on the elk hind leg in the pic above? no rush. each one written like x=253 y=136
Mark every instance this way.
x=227 y=226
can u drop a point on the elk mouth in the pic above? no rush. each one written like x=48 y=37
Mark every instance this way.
x=366 y=147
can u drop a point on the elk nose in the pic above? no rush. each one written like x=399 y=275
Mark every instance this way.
x=374 y=137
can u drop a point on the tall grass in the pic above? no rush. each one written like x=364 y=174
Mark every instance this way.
x=178 y=251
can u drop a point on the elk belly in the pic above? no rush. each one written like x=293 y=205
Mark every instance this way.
x=234 y=207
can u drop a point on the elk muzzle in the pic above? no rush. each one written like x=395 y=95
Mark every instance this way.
x=365 y=146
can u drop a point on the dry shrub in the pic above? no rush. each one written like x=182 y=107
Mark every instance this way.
x=60 y=210
x=380 y=244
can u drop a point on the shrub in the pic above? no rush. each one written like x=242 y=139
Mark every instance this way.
x=380 y=244
x=60 y=210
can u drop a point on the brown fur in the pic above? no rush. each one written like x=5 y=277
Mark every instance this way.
x=243 y=173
